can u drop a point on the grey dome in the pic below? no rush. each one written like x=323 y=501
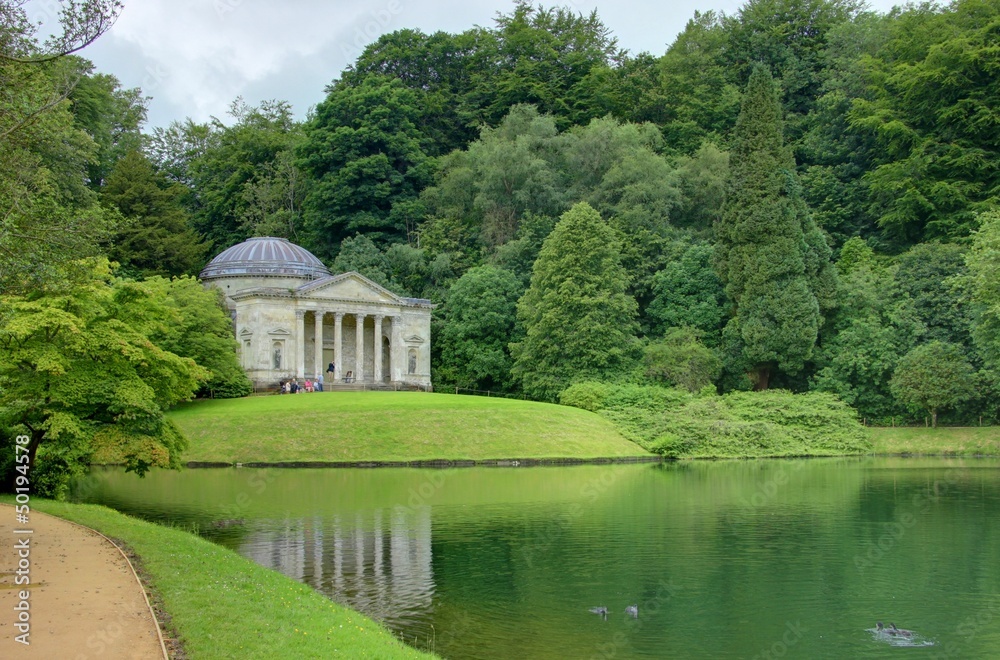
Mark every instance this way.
x=265 y=256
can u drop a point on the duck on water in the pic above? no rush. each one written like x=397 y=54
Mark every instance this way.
x=892 y=630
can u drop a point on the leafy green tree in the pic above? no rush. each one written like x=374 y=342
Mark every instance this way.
x=174 y=149
x=444 y=69
x=366 y=154
x=983 y=285
x=49 y=214
x=484 y=192
x=774 y=262
x=701 y=179
x=111 y=116
x=700 y=98
x=932 y=377
x=158 y=239
x=680 y=359
x=81 y=24
x=874 y=326
x=479 y=325
x=76 y=362
x=790 y=38
x=579 y=322
x=228 y=166
x=932 y=118
x=197 y=326
x=272 y=199
x=360 y=254
x=927 y=273
x=687 y=292
x=548 y=57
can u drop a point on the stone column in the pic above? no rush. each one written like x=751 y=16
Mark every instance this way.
x=300 y=343
x=338 y=348
x=377 y=362
x=359 y=356
x=396 y=353
x=318 y=358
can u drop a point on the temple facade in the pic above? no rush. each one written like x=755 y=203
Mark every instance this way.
x=293 y=319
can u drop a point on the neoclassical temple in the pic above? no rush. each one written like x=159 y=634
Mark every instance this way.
x=293 y=318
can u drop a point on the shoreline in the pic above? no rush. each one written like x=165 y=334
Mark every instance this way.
x=542 y=462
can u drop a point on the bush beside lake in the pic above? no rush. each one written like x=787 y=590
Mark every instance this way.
x=679 y=424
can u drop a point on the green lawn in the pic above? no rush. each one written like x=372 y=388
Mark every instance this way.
x=961 y=441
x=391 y=426
x=221 y=605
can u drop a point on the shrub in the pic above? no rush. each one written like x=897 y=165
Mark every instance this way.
x=674 y=423
x=589 y=395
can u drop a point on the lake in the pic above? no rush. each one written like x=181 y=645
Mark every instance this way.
x=724 y=559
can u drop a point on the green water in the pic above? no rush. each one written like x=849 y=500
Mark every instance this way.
x=791 y=558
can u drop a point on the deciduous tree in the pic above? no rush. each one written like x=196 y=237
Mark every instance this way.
x=479 y=324
x=932 y=377
x=76 y=362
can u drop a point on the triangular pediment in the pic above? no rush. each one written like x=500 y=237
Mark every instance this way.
x=347 y=286
x=414 y=339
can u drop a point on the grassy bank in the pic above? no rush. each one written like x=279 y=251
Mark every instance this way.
x=221 y=605
x=391 y=426
x=952 y=441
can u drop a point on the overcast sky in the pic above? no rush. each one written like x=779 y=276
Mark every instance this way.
x=193 y=57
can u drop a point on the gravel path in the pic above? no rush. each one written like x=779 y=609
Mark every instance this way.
x=84 y=602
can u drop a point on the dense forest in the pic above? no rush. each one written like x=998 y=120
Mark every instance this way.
x=801 y=195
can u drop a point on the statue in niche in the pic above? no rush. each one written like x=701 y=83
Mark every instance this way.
x=277 y=356
x=412 y=367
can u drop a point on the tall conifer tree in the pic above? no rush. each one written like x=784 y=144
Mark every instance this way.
x=774 y=261
x=578 y=318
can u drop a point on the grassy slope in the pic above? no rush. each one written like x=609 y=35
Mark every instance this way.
x=224 y=606
x=392 y=426
x=964 y=441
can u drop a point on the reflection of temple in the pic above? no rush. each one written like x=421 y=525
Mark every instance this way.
x=293 y=318
x=379 y=562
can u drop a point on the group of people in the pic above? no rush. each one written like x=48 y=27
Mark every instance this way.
x=293 y=387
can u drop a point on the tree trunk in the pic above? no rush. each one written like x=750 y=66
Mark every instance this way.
x=760 y=377
x=36 y=439
x=933 y=419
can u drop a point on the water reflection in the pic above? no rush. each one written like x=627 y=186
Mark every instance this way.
x=378 y=561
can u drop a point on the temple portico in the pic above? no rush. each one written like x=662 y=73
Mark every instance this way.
x=371 y=335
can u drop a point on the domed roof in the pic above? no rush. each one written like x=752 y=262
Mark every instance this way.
x=265 y=256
